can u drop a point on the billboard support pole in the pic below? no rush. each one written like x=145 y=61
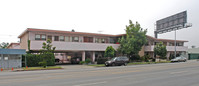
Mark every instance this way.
x=175 y=43
x=156 y=35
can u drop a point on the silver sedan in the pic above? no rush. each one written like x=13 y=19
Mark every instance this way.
x=179 y=59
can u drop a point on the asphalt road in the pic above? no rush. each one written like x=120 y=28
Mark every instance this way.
x=167 y=74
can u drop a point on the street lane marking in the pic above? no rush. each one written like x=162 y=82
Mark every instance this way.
x=91 y=84
x=178 y=72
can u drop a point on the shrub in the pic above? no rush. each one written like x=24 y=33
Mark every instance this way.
x=88 y=60
x=32 y=60
x=101 y=60
x=82 y=62
x=43 y=64
x=49 y=58
x=145 y=58
x=134 y=57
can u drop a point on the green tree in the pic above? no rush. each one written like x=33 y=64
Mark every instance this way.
x=4 y=45
x=109 y=52
x=48 y=47
x=132 y=43
x=47 y=54
x=160 y=49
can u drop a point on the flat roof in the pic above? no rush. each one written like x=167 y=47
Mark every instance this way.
x=84 y=33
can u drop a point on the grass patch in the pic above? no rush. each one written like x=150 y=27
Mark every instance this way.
x=41 y=68
x=97 y=65
x=132 y=63
x=138 y=63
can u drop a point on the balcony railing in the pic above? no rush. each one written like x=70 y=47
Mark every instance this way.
x=169 y=48
x=74 y=46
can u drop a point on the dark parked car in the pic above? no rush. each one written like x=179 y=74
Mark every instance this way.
x=117 y=61
x=179 y=59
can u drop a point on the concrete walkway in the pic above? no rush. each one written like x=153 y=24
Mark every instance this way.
x=75 y=67
x=65 y=67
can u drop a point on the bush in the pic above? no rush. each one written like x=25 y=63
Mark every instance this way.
x=101 y=60
x=82 y=62
x=134 y=58
x=49 y=58
x=32 y=60
x=88 y=60
x=145 y=58
x=43 y=64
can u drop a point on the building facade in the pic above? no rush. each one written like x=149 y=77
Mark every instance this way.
x=14 y=46
x=11 y=58
x=193 y=53
x=86 y=45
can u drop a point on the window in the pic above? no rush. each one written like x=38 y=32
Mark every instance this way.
x=101 y=40
x=61 y=38
x=56 y=54
x=67 y=39
x=88 y=39
x=56 y=38
x=37 y=37
x=62 y=54
x=40 y=37
x=112 y=40
x=50 y=37
x=179 y=44
x=75 y=39
x=43 y=37
x=96 y=40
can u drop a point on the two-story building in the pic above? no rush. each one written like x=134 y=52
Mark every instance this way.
x=71 y=44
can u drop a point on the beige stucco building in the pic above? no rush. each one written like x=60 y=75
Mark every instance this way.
x=86 y=45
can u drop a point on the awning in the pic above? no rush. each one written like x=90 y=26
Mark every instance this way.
x=12 y=51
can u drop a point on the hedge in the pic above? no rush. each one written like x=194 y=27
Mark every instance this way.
x=33 y=60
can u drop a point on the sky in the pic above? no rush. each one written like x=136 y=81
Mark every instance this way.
x=95 y=16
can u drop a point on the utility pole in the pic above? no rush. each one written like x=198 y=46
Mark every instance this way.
x=175 y=43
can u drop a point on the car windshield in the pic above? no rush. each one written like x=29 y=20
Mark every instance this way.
x=177 y=57
x=113 y=59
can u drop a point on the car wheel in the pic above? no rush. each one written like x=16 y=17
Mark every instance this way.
x=125 y=64
x=106 y=65
x=113 y=64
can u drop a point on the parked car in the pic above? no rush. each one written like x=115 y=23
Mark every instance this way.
x=179 y=59
x=117 y=61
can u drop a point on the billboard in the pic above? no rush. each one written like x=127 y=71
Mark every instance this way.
x=169 y=23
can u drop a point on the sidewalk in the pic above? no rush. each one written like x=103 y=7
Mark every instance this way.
x=192 y=60
x=76 y=66
x=10 y=70
x=65 y=67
